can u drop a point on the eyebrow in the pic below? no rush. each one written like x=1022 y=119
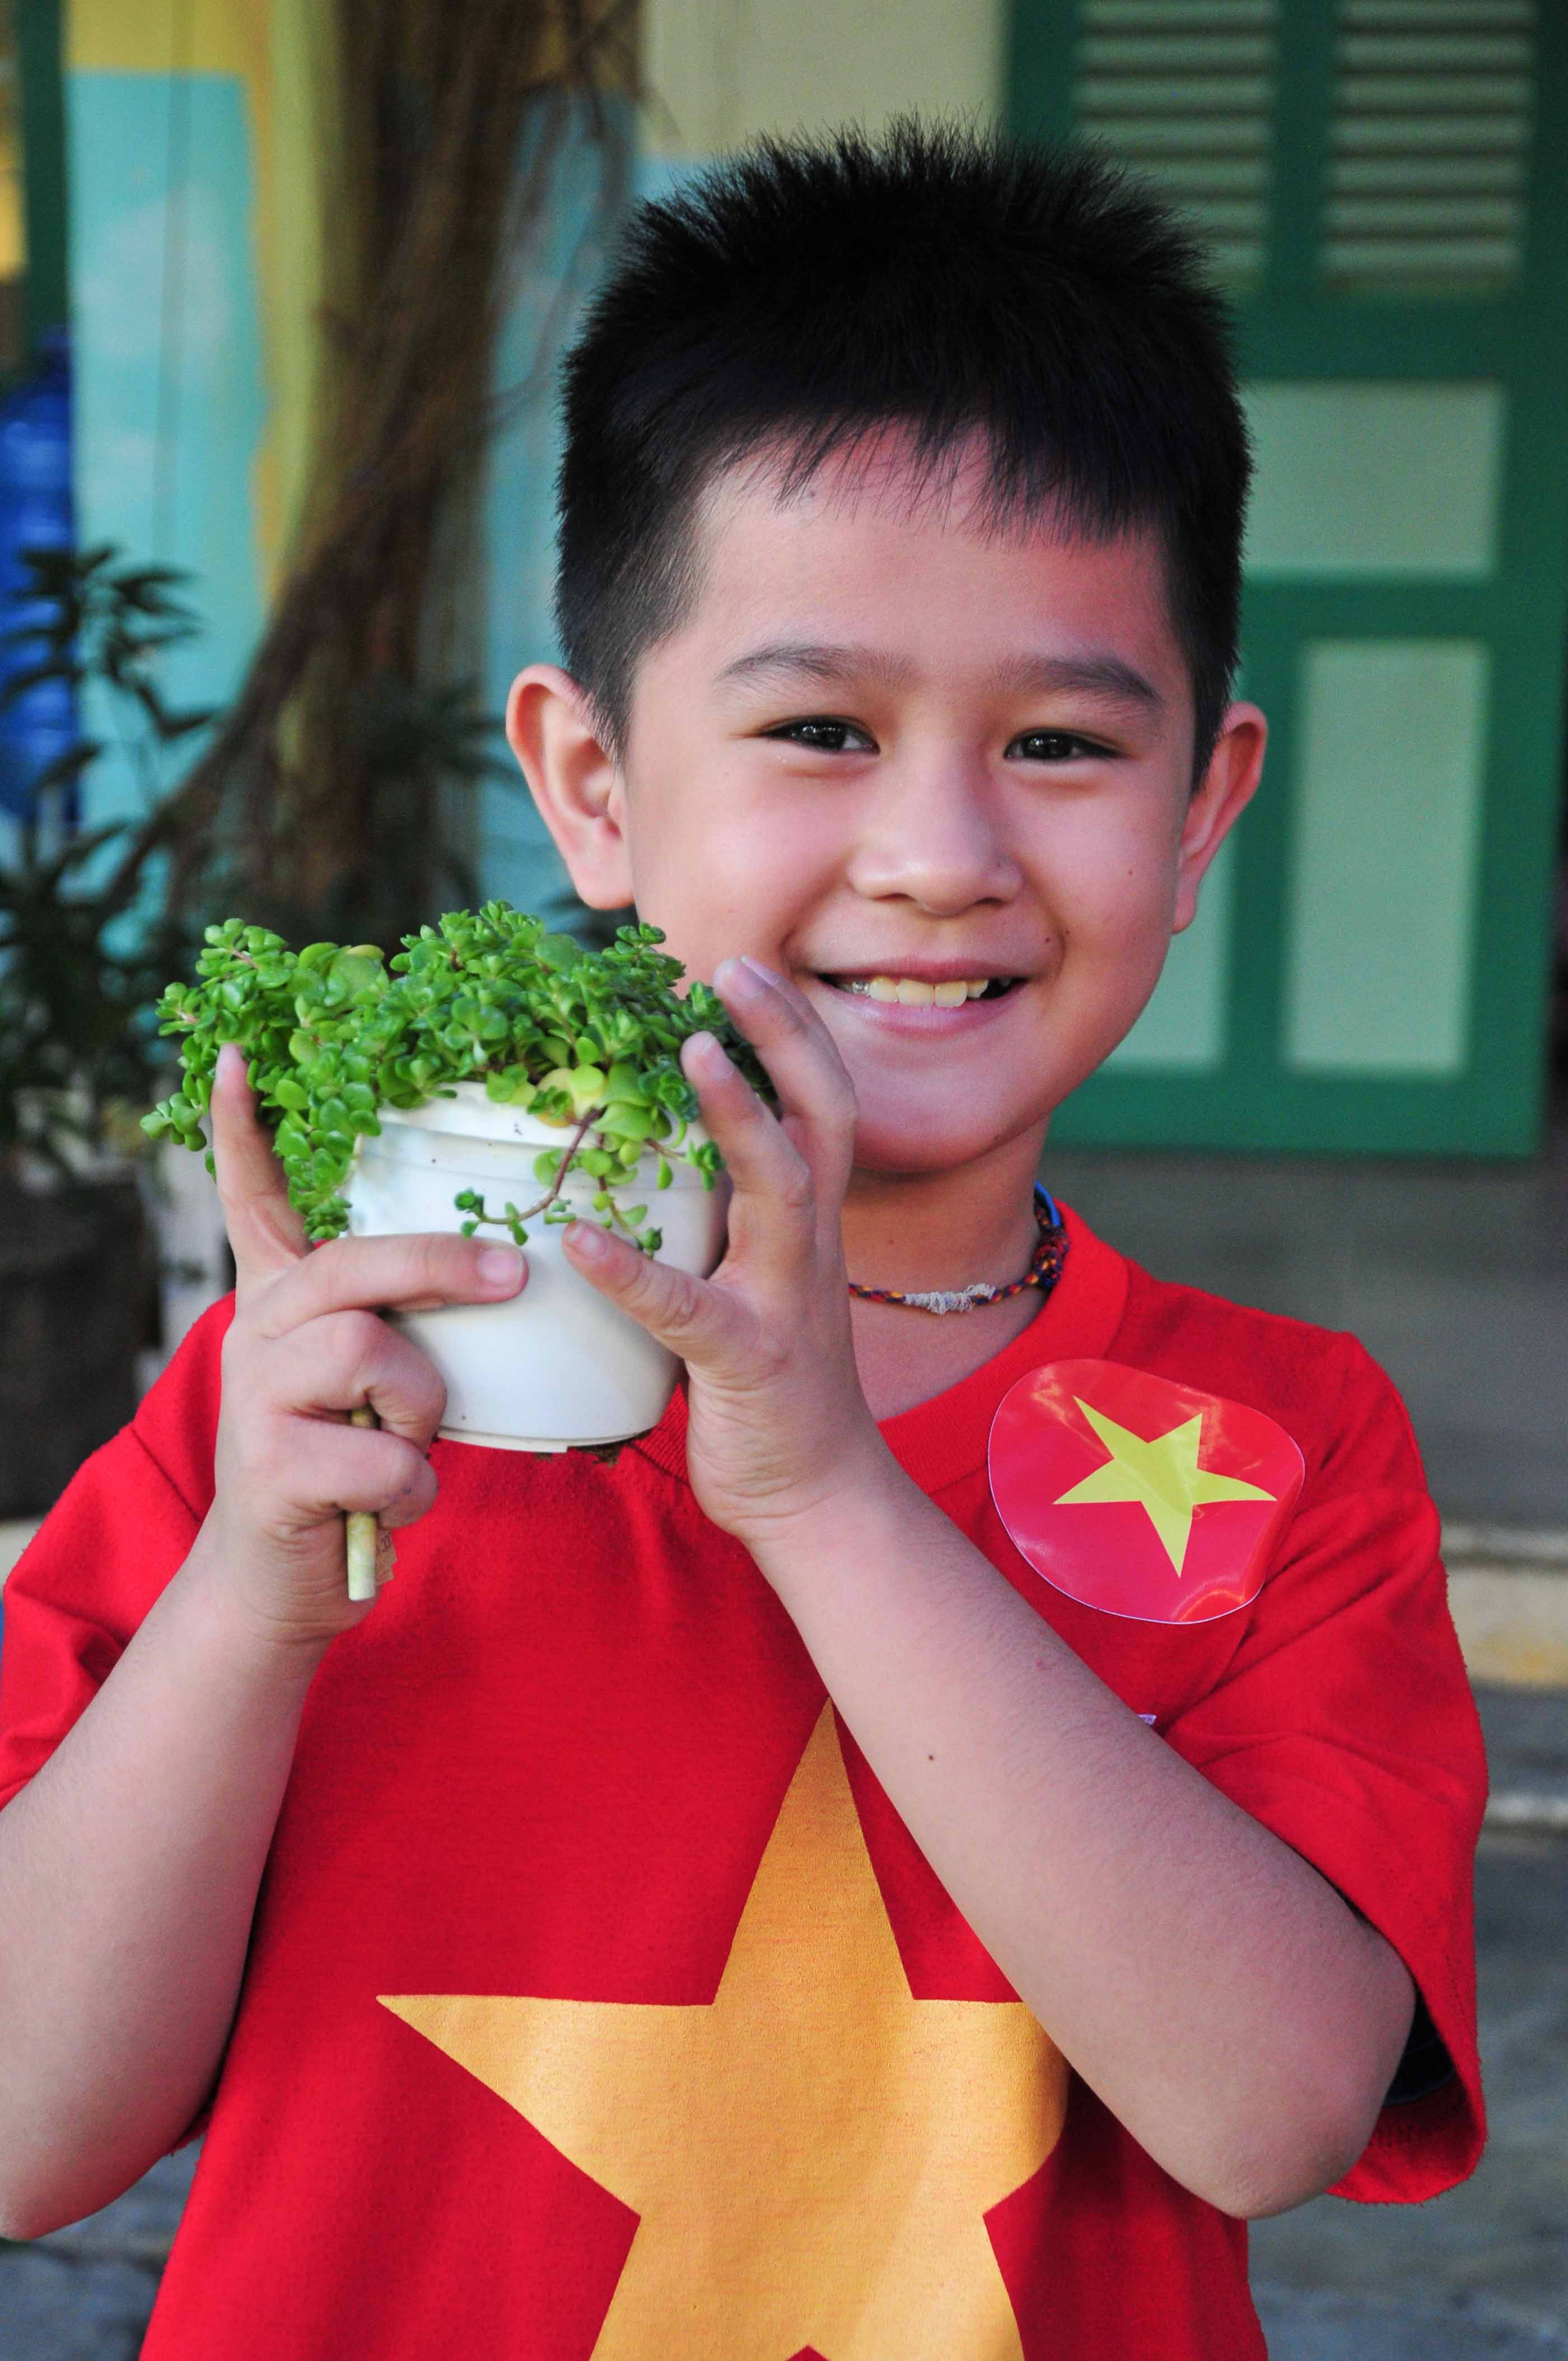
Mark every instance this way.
x=807 y=660
x=1102 y=675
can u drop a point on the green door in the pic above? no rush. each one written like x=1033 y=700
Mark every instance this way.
x=1383 y=184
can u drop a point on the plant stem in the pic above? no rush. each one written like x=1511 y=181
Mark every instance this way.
x=564 y=1166
x=560 y=1171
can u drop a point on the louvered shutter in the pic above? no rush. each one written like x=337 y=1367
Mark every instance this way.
x=1189 y=96
x=1382 y=185
x=1428 y=146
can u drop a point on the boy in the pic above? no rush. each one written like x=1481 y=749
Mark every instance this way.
x=725 y=1903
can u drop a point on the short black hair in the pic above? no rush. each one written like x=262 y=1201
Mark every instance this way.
x=801 y=295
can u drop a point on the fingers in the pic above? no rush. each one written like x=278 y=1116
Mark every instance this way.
x=694 y=1319
x=351 y=1359
x=269 y=1242
x=758 y=1155
x=417 y=1272
x=792 y=1042
x=799 y=1163
x=265 y=1231
x=337 y=1470
x=774 y=1195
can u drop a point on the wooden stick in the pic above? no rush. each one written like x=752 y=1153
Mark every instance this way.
x=362 y=1531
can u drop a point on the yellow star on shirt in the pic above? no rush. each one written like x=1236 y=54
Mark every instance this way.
x=1160 y=1474
x=812 y=2153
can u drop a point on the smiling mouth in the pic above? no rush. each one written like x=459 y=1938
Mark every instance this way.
x=915 y=992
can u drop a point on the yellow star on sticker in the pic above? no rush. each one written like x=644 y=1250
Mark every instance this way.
x=1159 y=1474
x=812 y=2153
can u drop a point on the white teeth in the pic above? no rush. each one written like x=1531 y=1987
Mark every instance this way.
x=911 y=991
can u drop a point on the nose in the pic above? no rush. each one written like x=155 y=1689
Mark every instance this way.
x=933 y=835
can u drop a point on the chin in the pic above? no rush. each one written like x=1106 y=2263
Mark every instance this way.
x=925 y=1142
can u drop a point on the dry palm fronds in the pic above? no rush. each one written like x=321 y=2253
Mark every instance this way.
x=449 y=119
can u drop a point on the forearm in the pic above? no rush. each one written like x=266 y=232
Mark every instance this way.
x=129 y=1874
x=1212 y=1988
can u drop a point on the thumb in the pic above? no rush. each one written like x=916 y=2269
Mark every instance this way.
x=266 y=1234
x=688 y=1315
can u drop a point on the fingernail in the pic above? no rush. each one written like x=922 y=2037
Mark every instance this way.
x=230 y=1056
x=588 y=1241
x=707 y=1050
x=742 y=979
x=501 y=1267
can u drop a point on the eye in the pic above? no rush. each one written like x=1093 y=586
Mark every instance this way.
x=1054 y=746
x=824 y=736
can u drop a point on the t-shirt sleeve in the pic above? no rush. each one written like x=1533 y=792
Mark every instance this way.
x=1346 y=1724
x=121 y=1529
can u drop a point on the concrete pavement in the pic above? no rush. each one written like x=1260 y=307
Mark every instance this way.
x=1484 y=2269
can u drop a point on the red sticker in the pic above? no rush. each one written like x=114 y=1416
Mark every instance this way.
x=1138 y=1496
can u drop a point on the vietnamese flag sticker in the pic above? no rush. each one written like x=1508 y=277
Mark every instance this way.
x=1138 y=1496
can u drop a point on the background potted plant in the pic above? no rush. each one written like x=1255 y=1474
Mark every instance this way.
x=85 y=938
x=492 y=1073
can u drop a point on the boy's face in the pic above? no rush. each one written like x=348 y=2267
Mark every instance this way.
x=891 y=754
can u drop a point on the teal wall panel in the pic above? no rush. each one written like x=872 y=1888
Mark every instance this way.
x=170 y=388
x=1398 y=482
x=1387 y=825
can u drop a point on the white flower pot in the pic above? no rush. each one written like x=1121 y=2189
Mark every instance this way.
x=558 y=1364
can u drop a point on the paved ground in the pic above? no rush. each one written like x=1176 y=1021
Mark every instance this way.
x=85 y=2294
x=1454 y=1275
x=1481 y=2272
x=1485 y=2270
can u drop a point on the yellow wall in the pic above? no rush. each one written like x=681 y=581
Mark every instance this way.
x=13 y=232
x=719 y=72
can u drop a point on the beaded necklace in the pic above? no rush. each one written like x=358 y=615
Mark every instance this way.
x=1045 y=1269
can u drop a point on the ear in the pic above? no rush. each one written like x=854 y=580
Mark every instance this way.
x=1228 y=786
x=577 y=782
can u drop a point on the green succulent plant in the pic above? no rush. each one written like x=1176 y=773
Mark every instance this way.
x=589 y=1040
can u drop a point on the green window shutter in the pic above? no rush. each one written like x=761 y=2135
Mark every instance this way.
x=1429 y=147
x=1189 y=96
x=1382 y=186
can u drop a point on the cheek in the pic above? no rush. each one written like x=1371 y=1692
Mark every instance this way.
x=1118 y=896
x=724 y=873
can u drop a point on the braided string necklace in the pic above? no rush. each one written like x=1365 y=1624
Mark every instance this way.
x=1045 y=1269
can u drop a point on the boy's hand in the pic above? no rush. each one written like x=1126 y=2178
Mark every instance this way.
x=305 y=1349
x=777 y=1417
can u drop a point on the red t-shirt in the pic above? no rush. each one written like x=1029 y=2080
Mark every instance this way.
x=586 y=2015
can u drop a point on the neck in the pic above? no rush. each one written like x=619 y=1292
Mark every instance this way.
x=930 y=1230
x=944 y=1230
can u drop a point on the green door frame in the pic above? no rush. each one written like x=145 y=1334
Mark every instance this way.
x=1288 y=331
x=40 y=68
